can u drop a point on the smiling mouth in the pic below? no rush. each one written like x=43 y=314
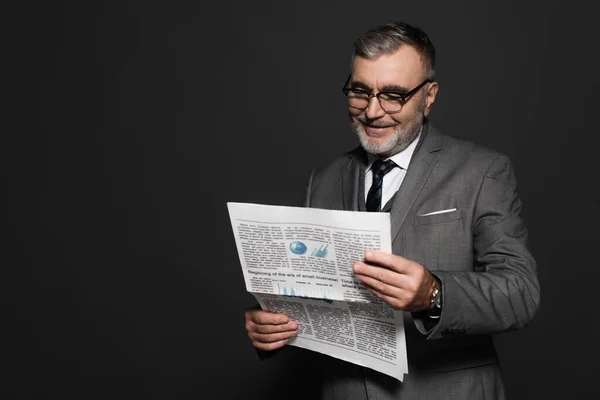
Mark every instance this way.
x=367 y=124
x=375 y=130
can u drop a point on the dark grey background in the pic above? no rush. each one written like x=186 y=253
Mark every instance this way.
x=132 y=124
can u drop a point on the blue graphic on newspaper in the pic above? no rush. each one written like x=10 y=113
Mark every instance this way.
x=314 y=293
x=300 y=248
x=320 y=252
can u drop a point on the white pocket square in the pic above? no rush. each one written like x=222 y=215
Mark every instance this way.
x=438 y=212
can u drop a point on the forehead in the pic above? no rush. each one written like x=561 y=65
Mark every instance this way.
x=404 y=67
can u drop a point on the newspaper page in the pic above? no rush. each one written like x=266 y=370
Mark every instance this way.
x=298 y=261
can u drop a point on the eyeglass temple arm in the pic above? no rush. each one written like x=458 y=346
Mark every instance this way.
x=346 y=84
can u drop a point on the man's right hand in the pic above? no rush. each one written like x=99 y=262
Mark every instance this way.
x=269 y=331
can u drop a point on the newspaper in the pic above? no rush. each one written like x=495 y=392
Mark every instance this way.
x=298 y=261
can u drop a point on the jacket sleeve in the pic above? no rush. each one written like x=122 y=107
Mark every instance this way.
x=501 y=292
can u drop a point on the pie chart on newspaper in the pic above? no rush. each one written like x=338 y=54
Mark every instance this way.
x=298 y=247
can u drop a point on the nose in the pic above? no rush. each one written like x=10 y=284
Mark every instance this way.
x=374 y=110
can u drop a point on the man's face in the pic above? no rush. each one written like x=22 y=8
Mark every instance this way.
x=386 y=134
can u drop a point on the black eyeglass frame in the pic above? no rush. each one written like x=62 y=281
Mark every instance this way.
x=404 y=97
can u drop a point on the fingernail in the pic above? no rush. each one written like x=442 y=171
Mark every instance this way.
x=356 y=267
x=368 y=253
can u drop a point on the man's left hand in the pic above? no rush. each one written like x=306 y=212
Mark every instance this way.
x=402 y=283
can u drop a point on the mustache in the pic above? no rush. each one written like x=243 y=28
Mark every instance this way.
x=373 y=123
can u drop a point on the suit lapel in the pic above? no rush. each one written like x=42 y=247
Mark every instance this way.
x=353 y=180
x=419 y=169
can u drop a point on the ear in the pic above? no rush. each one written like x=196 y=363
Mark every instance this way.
x=431 y=94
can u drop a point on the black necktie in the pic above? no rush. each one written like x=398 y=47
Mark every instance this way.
x=379 y=168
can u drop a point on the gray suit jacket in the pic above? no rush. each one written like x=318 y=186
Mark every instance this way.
x=478 y=252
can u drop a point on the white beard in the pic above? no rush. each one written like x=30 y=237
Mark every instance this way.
x=400 y=140
x=402 y=137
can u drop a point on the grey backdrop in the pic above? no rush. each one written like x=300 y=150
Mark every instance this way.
x=137 y=121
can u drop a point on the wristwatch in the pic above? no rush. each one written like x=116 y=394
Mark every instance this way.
x=435 y=306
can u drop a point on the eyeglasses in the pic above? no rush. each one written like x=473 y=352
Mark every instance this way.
x=390 y=102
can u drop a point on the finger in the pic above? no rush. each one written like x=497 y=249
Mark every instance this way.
x=268 y=329
x=271 y=337
x=262 y=317
x=381 y=274
x=402 y=300
x=379 y=286
x=396 y=303
x=270 y=346
x=392 y=261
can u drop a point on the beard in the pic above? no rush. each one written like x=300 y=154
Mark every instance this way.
x=403 y=134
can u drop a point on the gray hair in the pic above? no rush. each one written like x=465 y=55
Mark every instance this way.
x=388 y=38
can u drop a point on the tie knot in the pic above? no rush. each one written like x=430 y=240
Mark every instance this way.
x=381 y=167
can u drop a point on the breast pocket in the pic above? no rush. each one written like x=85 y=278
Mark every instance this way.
x=437 y=218
x=438 y=241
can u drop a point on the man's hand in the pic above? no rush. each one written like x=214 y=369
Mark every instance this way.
x=269 y=331
x=402 y=283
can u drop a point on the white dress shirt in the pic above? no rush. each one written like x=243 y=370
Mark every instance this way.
x=393 y=179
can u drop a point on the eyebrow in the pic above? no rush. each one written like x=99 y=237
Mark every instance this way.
x=387 y=88
x=394 y=88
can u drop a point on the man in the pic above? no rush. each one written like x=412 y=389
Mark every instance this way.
x=460 y=267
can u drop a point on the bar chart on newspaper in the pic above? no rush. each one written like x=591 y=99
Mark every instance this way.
x=304 y=291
